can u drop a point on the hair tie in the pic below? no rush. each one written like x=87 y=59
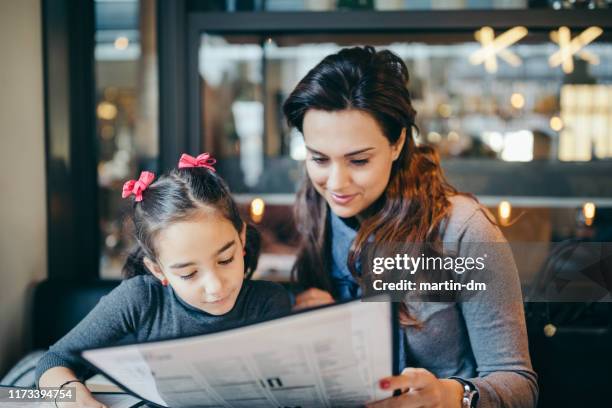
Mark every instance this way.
x=203 y=160
x=136 y=187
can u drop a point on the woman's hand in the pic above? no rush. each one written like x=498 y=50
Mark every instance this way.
x=312 y=297
x=420 y=388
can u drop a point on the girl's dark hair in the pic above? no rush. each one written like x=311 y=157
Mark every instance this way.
x=416 y=199
x=176 y=197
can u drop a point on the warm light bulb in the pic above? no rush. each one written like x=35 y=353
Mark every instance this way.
x=556 y=123
x=445 y=110
x=106 y=111
x=504 y=210
x=257 y=209
x=434 y=137
x=588 y=210
x=517 y=100
x=121 y=43
x=453 y=136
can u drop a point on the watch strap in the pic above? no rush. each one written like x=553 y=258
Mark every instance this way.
x=470 y=393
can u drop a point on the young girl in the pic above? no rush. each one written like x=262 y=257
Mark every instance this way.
x=186 y=277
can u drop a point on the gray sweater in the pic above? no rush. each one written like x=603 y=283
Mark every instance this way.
x=141 y=309
x=484 y=340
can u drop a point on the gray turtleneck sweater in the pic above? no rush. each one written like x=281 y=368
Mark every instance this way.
x=482 y=340
x=141 y=309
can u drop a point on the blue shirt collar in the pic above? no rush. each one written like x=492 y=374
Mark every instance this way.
x=342 y=237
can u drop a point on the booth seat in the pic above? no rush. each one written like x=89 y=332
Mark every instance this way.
x=57 y=306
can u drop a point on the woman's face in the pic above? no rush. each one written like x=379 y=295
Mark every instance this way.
x=202 y=259
x=349 y=159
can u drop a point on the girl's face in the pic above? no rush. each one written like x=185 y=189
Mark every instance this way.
x=202 y=258
x=349 y=158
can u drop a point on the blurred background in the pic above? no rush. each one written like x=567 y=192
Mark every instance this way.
x=515 y=94
x=529 y=137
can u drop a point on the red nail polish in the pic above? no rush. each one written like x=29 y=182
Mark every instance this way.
x=384 y=384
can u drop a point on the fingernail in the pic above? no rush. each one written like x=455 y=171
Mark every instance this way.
x=384 y=384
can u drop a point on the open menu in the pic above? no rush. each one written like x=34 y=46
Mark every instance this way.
x=326 y=357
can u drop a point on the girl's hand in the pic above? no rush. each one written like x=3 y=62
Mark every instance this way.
x=312 y=297
x=84 y=399
x=420 y=388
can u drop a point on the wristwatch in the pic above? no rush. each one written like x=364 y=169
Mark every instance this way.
x=470 y=393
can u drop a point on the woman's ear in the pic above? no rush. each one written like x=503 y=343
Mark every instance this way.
x=154 y=268
x=397 y=147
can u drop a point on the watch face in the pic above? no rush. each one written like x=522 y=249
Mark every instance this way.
x=471 y=402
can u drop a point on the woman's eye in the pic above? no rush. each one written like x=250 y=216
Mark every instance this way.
x=319 y=160
x=360 y=162
x=226 y=261
x=191 y=275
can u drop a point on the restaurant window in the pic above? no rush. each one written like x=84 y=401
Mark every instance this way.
x=126 y=113
x=524 y=127
x=495 y=111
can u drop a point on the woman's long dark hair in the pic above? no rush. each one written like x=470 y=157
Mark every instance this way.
x=177 y=196
x=416 y=199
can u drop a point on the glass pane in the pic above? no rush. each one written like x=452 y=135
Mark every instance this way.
x=496 y=118
x=126 y=87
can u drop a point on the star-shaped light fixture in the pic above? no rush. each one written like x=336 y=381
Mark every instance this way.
x=569 y=47
x=492 y=47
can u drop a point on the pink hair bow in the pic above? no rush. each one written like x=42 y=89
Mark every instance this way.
x=203 y=160
x=136 y=187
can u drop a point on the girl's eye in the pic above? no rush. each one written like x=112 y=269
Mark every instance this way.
x=361 y=162
x=187 y=277
x=226 y=261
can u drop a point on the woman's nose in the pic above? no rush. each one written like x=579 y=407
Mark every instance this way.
x=339 y=178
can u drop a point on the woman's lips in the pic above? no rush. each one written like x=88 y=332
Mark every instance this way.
x=342 y=199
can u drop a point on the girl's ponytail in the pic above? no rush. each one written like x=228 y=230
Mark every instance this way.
x=134 y=264
x=252 y=247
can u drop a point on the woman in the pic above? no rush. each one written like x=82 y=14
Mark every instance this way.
x=368 y=182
